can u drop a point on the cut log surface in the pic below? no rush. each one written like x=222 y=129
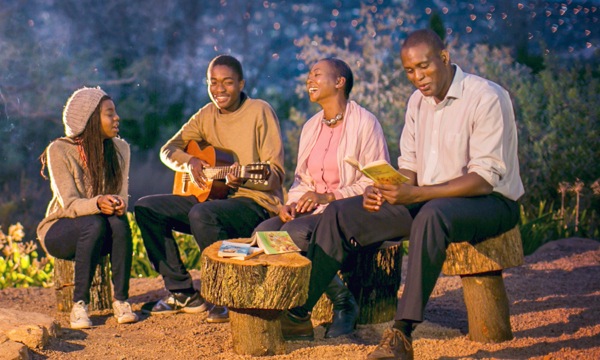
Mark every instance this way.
x=497 y=253
x=64 y=284
x=273 y=282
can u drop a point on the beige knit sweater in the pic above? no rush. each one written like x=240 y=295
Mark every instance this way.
x=71 y=195
x=252 y=133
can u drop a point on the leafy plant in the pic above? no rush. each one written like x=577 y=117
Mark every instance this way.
x=538 y=229
x=141 y=265
x=20 y=265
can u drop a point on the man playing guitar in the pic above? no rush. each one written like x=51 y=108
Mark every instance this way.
x=247 y=129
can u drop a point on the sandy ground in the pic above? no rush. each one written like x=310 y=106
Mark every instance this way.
x=554 y=304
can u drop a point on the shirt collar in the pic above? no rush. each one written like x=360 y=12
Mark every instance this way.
x=454 y=92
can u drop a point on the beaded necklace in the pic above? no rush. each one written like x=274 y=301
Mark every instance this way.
x=334 y=120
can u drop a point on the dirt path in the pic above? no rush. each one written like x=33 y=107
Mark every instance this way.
x=555 y=314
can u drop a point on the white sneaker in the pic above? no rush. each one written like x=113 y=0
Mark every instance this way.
x=123 y=313
x=79 y=316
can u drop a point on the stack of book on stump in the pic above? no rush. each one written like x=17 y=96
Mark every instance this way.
x=263 y=242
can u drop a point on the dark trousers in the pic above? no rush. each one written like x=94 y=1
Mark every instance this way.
x=346 y=227
x=85 y=240
x=158 y=215
x=300 y=229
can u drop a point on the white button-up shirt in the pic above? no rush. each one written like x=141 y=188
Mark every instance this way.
x=472 y=130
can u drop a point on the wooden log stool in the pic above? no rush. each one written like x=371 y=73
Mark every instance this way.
x=256 y=291
x=373 y=277
x=480 y=268
x=64 y=284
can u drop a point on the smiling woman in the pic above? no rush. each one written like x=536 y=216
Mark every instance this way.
x=341 y=128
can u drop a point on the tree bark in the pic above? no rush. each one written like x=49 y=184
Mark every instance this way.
x=487 y=307
x=256 y=332
x=480 y=267
x=64 y=281
x=373 y=277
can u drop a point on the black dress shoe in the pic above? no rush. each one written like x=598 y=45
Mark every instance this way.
x=296 y=328
x=218 y=314
x=345 y=309
x=393 y=345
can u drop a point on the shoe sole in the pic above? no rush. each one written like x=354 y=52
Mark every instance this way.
x=217 y=321
x=80 y=327
x=127 y=321
x=299 y=338
x=195 y=310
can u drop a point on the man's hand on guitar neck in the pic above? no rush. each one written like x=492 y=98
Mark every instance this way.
x=196 y=170
x=231 y=179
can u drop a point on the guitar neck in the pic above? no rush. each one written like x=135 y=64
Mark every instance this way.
x=220 y=172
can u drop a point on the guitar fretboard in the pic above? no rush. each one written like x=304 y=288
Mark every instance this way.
x=217 y=172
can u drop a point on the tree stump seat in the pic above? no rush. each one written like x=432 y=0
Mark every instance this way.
x=256 y=291
x=373 y=277
x=64 y=285
x=480 y=268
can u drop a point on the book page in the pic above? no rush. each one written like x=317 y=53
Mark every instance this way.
x=384 y=174
x=276 y=242
x=380 y=171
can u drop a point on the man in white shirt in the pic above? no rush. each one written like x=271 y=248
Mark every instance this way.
x=459 y=149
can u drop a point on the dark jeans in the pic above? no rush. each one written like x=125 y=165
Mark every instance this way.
x=300 y=229
x=346 y=227
x=209 y=221
x=85 y=240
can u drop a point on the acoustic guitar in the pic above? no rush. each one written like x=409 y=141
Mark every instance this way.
x=220 y=161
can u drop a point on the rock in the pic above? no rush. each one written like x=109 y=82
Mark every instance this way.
x=10 y=350
x=34 y=336
x=30 y=328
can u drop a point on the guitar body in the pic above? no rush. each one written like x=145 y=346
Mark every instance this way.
x=219 y=161
x=217 y=189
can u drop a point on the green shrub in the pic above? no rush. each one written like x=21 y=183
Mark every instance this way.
x=141 y=265
x=20 y=264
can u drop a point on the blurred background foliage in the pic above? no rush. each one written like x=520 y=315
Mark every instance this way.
x=151 y=58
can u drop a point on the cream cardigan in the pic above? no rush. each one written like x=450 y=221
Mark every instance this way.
x=71 y=196
x=362 y=137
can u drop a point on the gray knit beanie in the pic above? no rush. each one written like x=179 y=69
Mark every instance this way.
x=79 y=108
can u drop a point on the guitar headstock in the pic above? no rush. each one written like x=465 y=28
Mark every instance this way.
x=256 y=172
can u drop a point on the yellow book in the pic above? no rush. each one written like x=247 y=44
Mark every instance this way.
x=380 y=171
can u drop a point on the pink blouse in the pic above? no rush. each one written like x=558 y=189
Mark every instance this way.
x=322 y=161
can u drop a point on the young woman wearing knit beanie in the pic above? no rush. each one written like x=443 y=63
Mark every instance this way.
x=86 y=218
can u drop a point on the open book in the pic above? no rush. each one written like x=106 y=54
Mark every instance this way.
x=274 y=242
x=380 y=171
x=263 y=242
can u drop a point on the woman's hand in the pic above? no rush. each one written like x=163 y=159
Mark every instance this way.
x=287 y=212
x=120 y=206
x=311 y=199
x=111 y=204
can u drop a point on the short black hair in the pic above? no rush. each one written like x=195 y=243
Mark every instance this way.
x=344 y=71
x=228 y=61
x=424 y=36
